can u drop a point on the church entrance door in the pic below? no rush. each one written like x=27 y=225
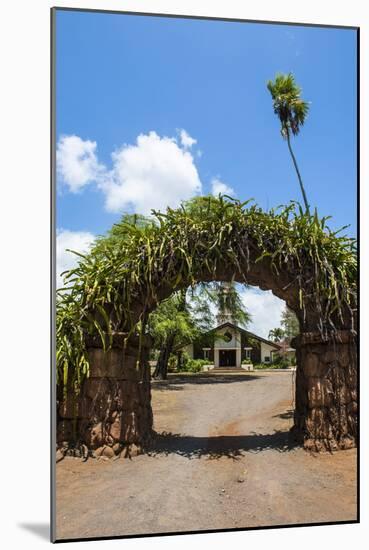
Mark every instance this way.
x=227 y=357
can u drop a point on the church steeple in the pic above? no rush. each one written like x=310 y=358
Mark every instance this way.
x=224 y=314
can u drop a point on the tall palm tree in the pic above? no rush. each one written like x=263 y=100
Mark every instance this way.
x=292 y=111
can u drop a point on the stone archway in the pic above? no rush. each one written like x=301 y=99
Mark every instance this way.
x=113 y=408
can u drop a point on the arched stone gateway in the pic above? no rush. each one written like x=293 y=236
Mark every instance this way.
x=273 y=251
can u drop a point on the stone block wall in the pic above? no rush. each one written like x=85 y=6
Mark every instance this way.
x=113 y=411
x=326 y=391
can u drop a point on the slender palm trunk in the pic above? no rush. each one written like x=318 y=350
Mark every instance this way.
x=298 y=174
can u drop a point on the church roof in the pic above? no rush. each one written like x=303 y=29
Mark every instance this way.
x=248 y=333
x=244 y=331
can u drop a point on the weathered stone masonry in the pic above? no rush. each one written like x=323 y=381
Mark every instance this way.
x=326 y=391
x=113 y=410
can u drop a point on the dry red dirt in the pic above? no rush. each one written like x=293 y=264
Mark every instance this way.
x=224 y=461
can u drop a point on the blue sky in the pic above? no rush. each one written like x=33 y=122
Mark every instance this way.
x=120 y=77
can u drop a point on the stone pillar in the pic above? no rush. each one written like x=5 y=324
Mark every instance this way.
x=216 y=358
x=326 y=391
x=238 y=357
x=113 y=411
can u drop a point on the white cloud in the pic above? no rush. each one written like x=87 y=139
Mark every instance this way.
x=153 y=174
x=218 y=186
x=79 y=241
x=265 y=308
x=77 y=163
x=186 y=140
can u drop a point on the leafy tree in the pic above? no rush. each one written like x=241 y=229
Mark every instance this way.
x=198 y=301
x=226 y=298
x=186 y=316
x=121 y=231
x=292 y=111
x=177 y=320
x=201 y=205
x=289 y=323
x=276 y=334
x=168 y=325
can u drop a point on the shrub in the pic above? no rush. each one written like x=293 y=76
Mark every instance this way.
x=182 y=366
x=195 y=365
x=259 y=366
x=283 y=364
x=172 y=363
x=191 y=365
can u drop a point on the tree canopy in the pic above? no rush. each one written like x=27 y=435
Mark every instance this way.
x=179 y=248
x=289 y=323
x=276 y=334
x=288 y=105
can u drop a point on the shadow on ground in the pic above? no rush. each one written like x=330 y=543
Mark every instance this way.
x=285 y=415
x=42 y=530
x=177 y=381
x=231 y=446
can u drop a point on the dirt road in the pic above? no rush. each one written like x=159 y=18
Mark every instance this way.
x=223 y=461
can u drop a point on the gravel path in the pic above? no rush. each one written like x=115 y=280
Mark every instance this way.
x=223 y=461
